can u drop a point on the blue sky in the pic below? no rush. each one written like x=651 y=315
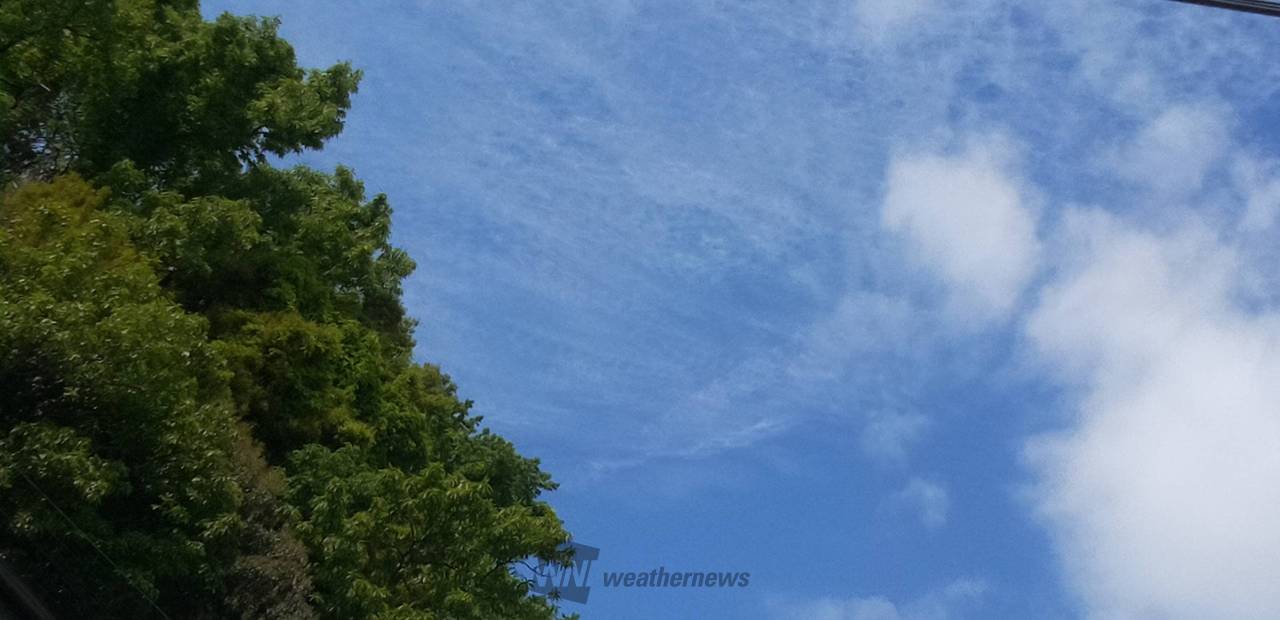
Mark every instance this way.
x=913 y=309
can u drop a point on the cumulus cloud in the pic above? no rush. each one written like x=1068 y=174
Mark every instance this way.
x=1164 y=496
x=928 y=499
x=888 y=435
x=880 y=20
x=945 y=603
x=1258 y=181
x=970 y=220
x=862 y=323
x=1174 y=153
x=1162 y=492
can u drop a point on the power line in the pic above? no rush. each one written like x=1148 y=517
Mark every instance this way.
x=91 y=542
x=1261 y=7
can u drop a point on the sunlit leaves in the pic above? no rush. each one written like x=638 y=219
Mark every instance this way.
x=207 y=397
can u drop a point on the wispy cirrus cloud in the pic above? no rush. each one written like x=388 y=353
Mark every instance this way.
x=681 y=232
x=660 y=187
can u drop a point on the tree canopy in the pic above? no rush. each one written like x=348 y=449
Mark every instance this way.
x=209 y=406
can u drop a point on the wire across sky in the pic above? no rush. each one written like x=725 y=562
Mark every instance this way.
x=1248 y=6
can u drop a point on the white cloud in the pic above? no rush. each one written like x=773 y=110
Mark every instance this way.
x=1174 y=153
x=881 y=20
x=969 y=220
x=943 y=604
x=888 y=435
x=862 y=324
x=1258 y=181
x=928 y=498
x=1141 y=57
x=1164 y=496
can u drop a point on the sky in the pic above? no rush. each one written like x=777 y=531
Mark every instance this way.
x=912 y=309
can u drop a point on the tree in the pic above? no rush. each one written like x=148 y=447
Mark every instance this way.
x=89 y=83
x=208 y=400
x=117 y=428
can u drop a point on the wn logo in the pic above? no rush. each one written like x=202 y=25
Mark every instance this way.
x=566 y=582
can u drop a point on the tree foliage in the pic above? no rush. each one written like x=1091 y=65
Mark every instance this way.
x=89 y=83
x=208 y=402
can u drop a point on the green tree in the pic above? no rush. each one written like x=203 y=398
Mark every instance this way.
x=117 y=427
x=89 y=83
x=206 y=371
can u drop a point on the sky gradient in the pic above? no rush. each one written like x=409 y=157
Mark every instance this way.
x=913 y=309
